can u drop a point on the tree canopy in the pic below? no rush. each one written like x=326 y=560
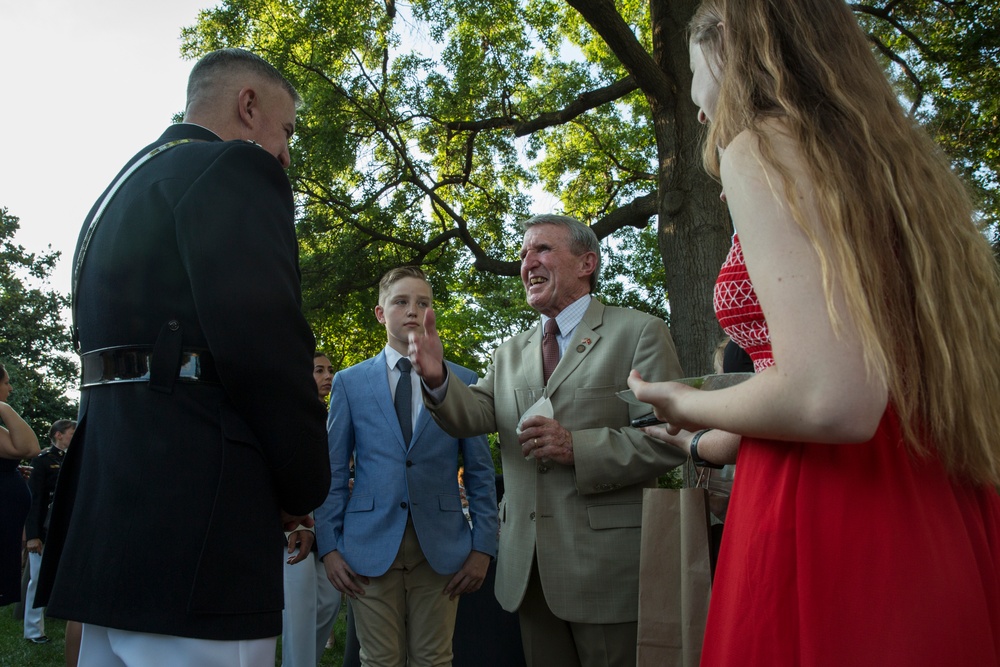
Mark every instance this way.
x=945 y=60
x=35 y=344
x=430 y=130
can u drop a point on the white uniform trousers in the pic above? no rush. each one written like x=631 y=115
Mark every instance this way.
x=34 y=619
x=109 y=647
x=311 y=608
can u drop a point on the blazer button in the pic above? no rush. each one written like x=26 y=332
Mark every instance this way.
x=402 y=505
x=173 y=325
x=542 y=469
x=532 y=515
x=409 y=464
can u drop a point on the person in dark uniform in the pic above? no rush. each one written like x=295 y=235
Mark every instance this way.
x=199 y=433
x=42 y=484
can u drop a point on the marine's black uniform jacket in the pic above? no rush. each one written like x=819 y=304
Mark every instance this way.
x=42 y=483
x=166 y=517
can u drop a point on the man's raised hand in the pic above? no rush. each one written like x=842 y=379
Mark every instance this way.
x=427 y=353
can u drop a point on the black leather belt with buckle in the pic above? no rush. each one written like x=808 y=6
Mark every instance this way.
x=113 y=365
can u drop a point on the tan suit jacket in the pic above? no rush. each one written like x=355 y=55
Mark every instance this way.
x=582 y=520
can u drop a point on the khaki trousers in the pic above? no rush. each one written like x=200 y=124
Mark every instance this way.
x=550 y=641
x=404 y=618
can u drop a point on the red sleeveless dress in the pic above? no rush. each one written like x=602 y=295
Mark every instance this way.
x=847 y=555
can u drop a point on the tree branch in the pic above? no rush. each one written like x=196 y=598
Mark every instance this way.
x=910 y=74
x=886 y=15
x=603 y=17
x=582 y=104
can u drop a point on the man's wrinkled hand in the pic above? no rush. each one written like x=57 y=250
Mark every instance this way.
x=426 y=352
x=546 y=439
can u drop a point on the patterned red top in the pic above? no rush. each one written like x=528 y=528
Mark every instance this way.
x=738 y=310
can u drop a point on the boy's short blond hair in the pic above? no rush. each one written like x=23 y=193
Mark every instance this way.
x=393 y=276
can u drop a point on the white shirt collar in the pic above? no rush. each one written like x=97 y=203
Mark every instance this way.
x=391 y=357
x=570 y=316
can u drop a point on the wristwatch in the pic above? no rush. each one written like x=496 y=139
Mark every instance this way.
x=697 y=460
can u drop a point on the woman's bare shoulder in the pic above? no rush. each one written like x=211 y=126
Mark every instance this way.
x=772 y=137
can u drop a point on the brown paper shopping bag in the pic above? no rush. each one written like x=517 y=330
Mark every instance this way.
x=675 y=577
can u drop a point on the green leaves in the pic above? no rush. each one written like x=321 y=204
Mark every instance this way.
x=430 y=129
x=945 y=60
x=35 y=346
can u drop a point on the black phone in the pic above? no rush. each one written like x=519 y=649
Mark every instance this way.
x=646 y=420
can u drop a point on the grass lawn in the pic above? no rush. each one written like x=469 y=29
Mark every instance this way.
x=15 y=651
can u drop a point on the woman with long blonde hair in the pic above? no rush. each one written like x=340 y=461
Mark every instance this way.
x=864 y=524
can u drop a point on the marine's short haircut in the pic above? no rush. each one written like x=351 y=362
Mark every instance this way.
x=60 y=426
x=204 y=73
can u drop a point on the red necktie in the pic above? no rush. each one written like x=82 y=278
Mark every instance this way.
x=550 y=349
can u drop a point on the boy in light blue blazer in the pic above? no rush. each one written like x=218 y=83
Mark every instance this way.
x=399 y=544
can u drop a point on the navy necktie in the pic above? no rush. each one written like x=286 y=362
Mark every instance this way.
x=403 y=400
x=550 y=348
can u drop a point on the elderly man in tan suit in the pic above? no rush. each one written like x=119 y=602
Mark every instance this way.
x=568 y=561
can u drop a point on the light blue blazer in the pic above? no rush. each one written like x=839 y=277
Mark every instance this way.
x=394 y=479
